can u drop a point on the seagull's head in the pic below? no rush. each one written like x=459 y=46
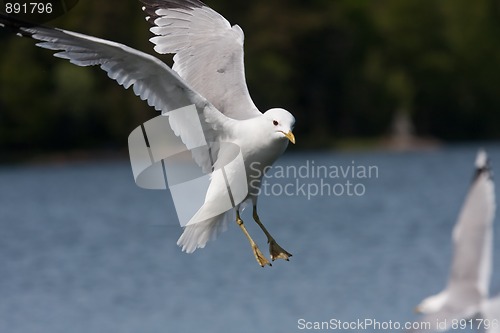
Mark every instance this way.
x=281 y=123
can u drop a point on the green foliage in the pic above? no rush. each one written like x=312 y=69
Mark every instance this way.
x=343 y=67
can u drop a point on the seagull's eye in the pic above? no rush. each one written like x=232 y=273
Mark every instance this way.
x=275 y=122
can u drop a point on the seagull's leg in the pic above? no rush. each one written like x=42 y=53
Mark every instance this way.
x=276 y=251
x=256 y=251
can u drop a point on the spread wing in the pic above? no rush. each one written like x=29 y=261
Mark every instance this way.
x=151 y=79
x=208 y=52
x=470 y=272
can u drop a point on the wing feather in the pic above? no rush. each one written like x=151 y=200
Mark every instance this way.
x=472 y=234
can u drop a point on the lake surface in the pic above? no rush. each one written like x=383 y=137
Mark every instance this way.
x=83 y=249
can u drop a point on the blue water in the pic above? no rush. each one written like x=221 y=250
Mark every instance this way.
x=82 y=249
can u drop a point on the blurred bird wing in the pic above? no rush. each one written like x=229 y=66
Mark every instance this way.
x=491 y=315
x=470 y=272
x=208 y=52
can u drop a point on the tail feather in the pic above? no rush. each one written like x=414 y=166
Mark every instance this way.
x=197 y=235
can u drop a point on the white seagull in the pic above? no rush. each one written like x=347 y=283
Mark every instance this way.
x=467 y=291
x=209 y=73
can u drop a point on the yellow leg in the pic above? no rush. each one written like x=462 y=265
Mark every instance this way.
x=276 y=251
x=256 y=251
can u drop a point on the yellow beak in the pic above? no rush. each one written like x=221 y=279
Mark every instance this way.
x=290 y=136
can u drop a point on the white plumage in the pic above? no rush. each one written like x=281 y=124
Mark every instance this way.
x=209 y=73
x=467 y=291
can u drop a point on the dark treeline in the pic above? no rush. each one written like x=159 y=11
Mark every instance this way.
x=344 y=68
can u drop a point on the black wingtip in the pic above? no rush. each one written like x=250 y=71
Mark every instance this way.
x=151 y=6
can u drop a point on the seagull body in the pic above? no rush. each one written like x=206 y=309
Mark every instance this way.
x=208 y=72
x=466 y=294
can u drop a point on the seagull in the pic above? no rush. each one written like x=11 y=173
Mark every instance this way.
x=467 y=291
x=208 y=72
